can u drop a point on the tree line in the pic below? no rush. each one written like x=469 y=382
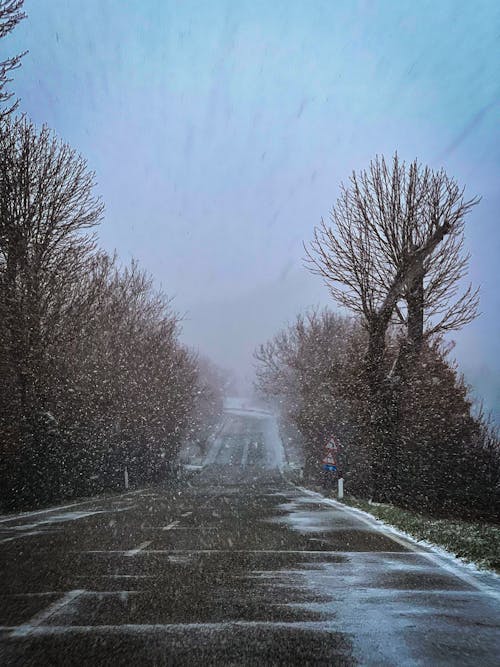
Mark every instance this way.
x=94 y=378
x=379 y=375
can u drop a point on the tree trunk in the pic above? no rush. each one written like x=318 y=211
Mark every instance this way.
x=375 y=354
x=379 y=414
x=415 y=305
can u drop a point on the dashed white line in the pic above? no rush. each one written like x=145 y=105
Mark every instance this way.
x=171 y=525
x=124 y=576
x=17 y=537
x=45 y=614
x=27 y=515
x=214 y=450
x=244 y=456
x=141 y=547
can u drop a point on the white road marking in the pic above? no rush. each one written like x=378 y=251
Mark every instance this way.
x=47 y=510
x=32 y=595
x=123 y=576
x=134 y=552
x=17 y=537
x=181 y=528
x=248 y=412
x=244 y=456
x=50 y=522
x=186 y=528
x=308 y=552
x=171 y=525
x=57 y=518
x=186 y=514
x=27 y=515
x=44 y=615
x=129 y=628
x=214 y=450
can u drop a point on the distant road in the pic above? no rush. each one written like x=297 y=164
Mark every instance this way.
x=237 y=567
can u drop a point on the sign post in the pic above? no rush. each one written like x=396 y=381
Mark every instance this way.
x=330 y=463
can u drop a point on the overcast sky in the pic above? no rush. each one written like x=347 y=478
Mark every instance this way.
x=220 y=130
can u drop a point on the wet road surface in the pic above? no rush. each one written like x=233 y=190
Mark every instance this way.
x=236 y=567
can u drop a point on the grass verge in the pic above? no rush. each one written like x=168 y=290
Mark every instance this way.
x=474 y=542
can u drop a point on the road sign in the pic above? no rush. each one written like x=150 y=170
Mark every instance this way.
x=332 y=444
x=332 y=447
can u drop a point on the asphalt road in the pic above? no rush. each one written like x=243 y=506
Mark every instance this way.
x=236 y=567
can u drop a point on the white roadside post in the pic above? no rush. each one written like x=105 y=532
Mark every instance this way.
x=340 y=493
x=126 y=477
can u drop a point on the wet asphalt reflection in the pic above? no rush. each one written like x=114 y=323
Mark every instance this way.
x=234 y=566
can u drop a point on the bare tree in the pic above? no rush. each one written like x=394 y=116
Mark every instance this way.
x=208 y=401
x=394 y=249
x=10 y=15
x=47 y=206
x=310 y=369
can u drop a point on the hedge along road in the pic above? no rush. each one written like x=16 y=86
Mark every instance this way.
x=238 y=566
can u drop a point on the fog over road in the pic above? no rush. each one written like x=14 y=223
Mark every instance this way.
x=238 y=566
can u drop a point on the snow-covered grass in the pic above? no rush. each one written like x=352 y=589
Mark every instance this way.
x=473 y=542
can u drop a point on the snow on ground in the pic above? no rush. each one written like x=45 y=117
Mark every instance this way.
x=243 y=406
x=275 y=451
x=215 y=444
x=240 y=407
x=439 y=551
x=483 y=580
x=380 y=597
x=235 y=403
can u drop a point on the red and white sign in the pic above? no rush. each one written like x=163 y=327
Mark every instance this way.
x=332 y=445
x=332 y=449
